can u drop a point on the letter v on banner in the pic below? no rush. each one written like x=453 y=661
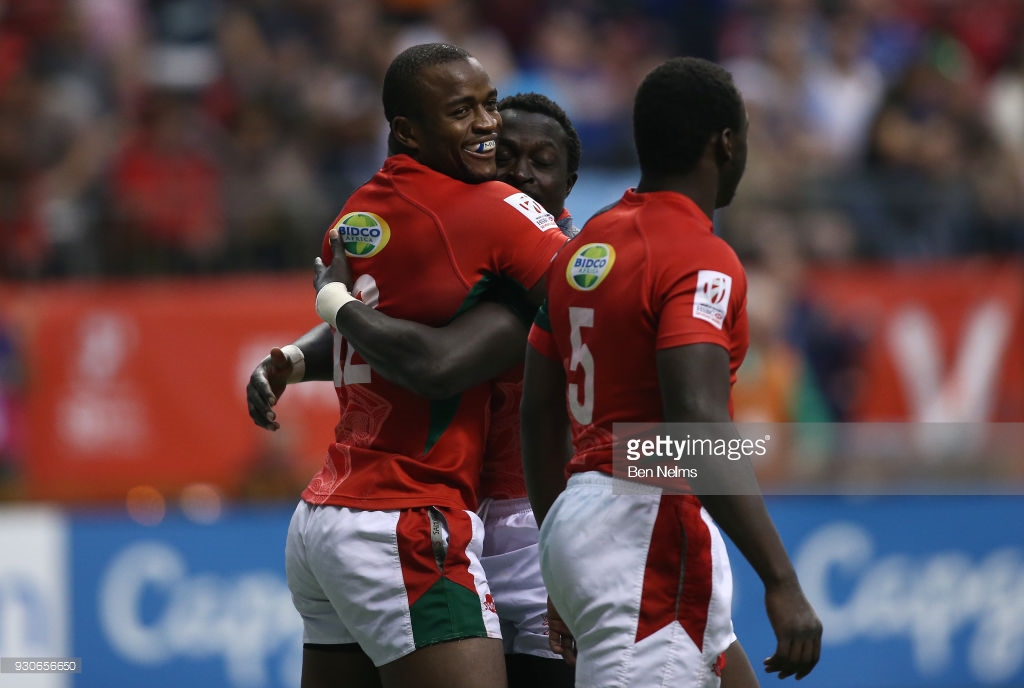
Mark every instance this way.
x=964 y=391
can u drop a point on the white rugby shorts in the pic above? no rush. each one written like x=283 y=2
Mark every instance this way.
x=511 y=560
x=643 y=582
x=391 y=581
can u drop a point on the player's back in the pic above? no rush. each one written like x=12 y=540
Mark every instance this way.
x=646 y=274
x=421 y=245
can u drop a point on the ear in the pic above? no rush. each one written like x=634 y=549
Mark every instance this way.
x=725 y=141
x=404 y=132
x=571 y=182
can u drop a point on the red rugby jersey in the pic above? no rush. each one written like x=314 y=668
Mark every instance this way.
x=502 y=475
x=421 y=245
x=647 y=274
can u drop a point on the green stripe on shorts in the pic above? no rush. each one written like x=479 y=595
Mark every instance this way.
x=447 y=611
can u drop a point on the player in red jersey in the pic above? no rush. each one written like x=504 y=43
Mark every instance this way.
x=646 y=321
x=383 y=551
x=538 y=152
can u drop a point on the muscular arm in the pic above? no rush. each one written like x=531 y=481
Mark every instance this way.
x=436 y=362
x=545 y=431
x=694 y=381
x=317 y=346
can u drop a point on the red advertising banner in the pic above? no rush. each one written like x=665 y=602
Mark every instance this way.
x=109 y=386
x=143 y=383
x=937 y=343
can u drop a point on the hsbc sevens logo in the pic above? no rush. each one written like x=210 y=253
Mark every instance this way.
x=530 y=205
x=716 y=290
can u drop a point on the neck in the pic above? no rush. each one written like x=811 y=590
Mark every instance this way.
x=699 y=189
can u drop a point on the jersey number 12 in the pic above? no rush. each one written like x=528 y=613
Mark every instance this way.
x=365 y=288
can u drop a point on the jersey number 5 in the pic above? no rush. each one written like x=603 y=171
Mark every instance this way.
x=365 y=288
x=582 y=409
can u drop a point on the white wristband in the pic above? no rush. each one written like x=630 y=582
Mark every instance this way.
x=295 y=355
x=329 y=301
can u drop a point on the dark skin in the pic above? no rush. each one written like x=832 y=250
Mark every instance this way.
x=437 y=362
x=478 y=345
x=532 y=156
x=433 y=362
x=695 y=384
x=457 y=111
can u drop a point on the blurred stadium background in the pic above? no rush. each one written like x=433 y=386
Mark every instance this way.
x=167 y=168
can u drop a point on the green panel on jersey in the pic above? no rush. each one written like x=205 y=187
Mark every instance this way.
x=441 y=414
x=445 y=612
x=543 y=319
x=488 y=287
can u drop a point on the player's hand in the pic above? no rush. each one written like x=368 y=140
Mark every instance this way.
x=338 y=271
x=266 y=385
x=560 y=638
x=797 y=631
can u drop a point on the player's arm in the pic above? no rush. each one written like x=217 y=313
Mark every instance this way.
x=434 y=362
x=307 y=358
x=544 y=426
x=694 y=381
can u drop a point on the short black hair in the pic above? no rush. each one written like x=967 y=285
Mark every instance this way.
x=542 y=105
x=401 y=82
x=678 y=107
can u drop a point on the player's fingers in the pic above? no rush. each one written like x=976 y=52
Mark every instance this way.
x=810 y=650
x=259 y=411
x=778 y=663
x=278 y=359
x=555 y=642
x=337 y=245
x=781 y=659
x=570 y=650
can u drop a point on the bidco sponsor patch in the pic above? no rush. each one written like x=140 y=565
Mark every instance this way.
x=364 y=234
x=589 y=266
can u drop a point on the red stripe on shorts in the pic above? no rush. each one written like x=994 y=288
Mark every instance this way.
x=460 y=532
x=662 y=572
x=419 y=570
x=676 y=588
x=696 y=593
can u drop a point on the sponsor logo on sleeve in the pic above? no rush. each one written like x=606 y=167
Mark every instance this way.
x=533 y=211
x=711 y=301
x=364 y=234
x=589 y=266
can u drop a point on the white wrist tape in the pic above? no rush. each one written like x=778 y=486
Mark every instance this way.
x=329 y=301
x=295 y=355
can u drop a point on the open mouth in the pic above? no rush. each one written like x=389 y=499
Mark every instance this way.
x=482 y=147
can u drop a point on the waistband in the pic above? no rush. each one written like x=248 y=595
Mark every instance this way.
x=616 y=485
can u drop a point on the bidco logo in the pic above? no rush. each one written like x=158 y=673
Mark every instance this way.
x=364 y=234
x=589 y=266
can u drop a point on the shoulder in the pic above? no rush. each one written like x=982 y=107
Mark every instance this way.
x=506 y=204
x=692 y=252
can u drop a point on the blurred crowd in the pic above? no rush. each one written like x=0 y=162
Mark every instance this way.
x=143 y=137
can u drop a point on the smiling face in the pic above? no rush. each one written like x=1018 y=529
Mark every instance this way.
x=455 y=130
x=533 y=157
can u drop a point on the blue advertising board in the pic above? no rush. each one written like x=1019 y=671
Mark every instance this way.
x=912 y=591
x=183 y=603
